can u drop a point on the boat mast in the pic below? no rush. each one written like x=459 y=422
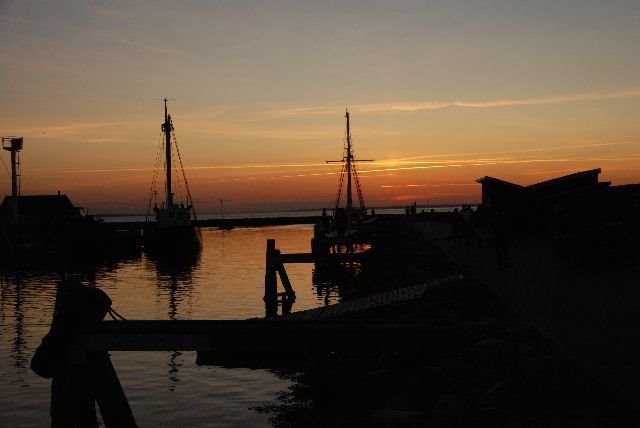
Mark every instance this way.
x=349 y=157
x=167 y=127
x=349 y=169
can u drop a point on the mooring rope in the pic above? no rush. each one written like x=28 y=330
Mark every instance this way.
x=116 y=316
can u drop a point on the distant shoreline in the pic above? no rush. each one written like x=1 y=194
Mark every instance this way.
x=236 y=222
x=285 y=214
x=266 y=221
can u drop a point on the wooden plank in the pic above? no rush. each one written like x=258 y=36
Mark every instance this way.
x=295 y=258
x=207 y=334
x=239 y=335
x=284 y=278
x=144 y=341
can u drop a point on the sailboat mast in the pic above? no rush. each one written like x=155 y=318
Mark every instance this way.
x=349 y=157
x=166 y=127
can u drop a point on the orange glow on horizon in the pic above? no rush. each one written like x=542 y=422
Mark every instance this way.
x=442 y=179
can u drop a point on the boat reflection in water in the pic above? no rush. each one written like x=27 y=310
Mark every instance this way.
x=175 y=279
x=225 y=280
x=175 y=284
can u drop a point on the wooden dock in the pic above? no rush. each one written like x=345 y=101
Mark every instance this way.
x=87 y=375
x=399 y=295
x=318 y=329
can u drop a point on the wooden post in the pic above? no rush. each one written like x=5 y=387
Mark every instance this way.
x=270 y=281
x=71 y=401
x=77 y=383
x=108 y=393
x=285 y=281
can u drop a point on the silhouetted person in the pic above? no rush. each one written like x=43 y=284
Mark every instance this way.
x=325 y=220
x=373 y=212
x=500 y=228
x=456 y=225
x=466 y=216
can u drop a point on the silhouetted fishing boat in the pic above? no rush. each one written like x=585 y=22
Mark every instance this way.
x=345 y=217
x=171 y=227
x=346 y=225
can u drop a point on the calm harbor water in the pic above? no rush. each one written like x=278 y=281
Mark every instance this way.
x=271 y=214
x=163 y=388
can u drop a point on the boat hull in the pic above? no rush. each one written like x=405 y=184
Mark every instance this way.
x=172 y=239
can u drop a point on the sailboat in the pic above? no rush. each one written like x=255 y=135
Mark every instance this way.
x=344 y=218
x=171 y=227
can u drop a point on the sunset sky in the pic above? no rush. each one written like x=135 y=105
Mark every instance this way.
x=440 y=94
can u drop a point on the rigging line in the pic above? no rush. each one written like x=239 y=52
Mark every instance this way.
x=176 y=176
x=356 y=177
x=359 y=188
x=342 y=171
x=158 y=162
x=115 y=315
x=178 y=179
x=152 y=191
x=186 y=183
x=340 y=186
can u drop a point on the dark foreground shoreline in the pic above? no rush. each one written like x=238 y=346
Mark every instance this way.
x=484 y=365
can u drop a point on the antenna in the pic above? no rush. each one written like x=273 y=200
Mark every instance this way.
x=14 y=145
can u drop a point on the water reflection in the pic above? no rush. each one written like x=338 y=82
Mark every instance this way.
x=174 y=274
x=18 y=353
x=27 y=298
x=333 y=284
x=224 y=281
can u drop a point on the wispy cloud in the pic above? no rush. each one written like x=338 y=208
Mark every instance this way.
x=402 y=186
x=401 y=106
x=558 y=99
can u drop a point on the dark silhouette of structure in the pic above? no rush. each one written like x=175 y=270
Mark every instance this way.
x=589 y=220
x=51 y=227
x=345 y=216
x=14 y=146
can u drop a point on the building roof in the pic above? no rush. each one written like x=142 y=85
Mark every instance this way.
x=566 y=178
x=487 y=179
x=39 y=205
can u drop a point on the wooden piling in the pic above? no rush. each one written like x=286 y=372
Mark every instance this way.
x=270 y=280
x=79 y=380
x=108 y=392
x=285 y=281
